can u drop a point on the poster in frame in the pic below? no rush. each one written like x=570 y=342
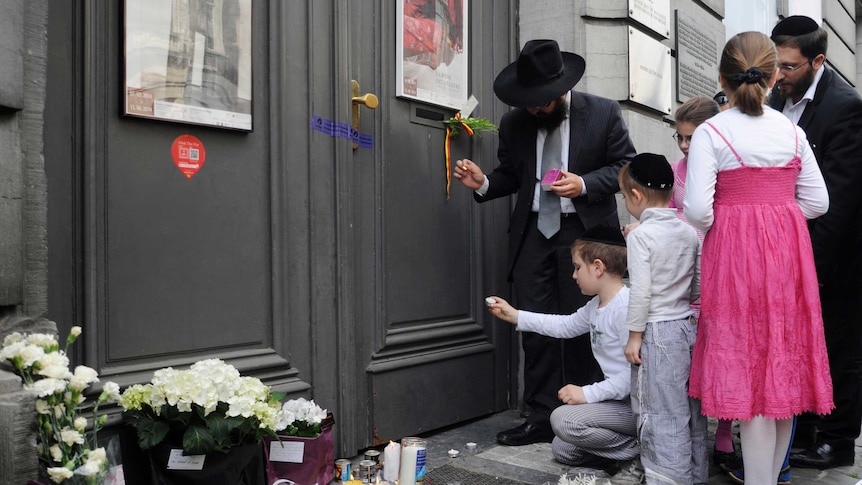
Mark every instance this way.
x=432 y=51
x=188 y=61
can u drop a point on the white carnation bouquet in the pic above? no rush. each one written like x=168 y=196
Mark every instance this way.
x=67 y=448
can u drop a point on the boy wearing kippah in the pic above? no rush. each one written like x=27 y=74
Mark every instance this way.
x=594 y=427
x=664 y=275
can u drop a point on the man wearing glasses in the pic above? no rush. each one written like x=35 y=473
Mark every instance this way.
x=830 y=111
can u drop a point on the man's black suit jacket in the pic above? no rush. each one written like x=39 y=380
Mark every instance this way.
x=833 y=123
x=599 y=145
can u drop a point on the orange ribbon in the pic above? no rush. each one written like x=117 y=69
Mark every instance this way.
x=448 y=151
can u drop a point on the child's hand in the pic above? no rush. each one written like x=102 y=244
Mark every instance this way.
x=633 y=347
x=572 y=394
x=629 y=227
x=503 y=310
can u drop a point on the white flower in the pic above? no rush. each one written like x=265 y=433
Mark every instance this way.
x=80 y=424
x=111 y=391
x=54 y=365
x=88 y=469
x=42 y=407
x=56 y=453
x=26 y=353
x=76 y=331
x=12 y=338
x=58 y=474
x=71 y=437
x=42 y=340
x=59 y=410
x=83 y=377
x=97 y=456
x=47 y=387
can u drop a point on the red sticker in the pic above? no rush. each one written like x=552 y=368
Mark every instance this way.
x=188 y=154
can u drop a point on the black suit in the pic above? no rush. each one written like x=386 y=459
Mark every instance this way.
x=540 y=268
x=833 y=123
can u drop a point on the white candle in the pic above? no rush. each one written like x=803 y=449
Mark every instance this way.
x=409 y=455
x=412 y=461
x=391 y=461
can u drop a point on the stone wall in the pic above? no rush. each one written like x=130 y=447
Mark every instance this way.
x=23 y=217
x=599 y=30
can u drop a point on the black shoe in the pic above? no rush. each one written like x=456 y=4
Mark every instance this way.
x=525 y=434
x=726 y=460
x=822 y=456
x=599 y=463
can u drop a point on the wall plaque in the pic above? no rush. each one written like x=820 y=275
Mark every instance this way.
x=653 y=14
x=697 y=59
x=649 y=72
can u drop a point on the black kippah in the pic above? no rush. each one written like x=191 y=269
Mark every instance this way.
x=605 y=235
x=652 y=170
x=795 y=25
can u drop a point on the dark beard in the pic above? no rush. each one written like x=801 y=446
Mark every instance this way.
x=552 y=120
x=802 y=85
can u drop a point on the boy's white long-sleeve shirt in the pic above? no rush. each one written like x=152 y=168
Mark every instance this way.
x=608 y=338
x=664 y=268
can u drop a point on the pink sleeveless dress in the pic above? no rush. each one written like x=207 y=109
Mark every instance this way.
x=760 y=348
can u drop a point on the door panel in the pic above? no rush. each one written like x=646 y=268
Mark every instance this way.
x=431 y=355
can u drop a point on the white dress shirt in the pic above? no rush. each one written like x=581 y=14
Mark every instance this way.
x=664 y=268
x=608 y=337
x=566 y=205
x=792 y=110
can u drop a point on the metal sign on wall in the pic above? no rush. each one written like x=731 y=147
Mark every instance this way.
x=697 y=59
x=649 y=72
x=652 y=14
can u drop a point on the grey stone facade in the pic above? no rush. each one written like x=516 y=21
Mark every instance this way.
x=23 y=195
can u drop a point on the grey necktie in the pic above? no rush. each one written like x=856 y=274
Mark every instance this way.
x=549 y=202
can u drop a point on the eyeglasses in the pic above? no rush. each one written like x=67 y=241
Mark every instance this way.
x=792 y=68
x=721 y=99
x=680 y=139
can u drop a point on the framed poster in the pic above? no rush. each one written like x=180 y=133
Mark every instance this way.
x=431 y=51
x=188 y=61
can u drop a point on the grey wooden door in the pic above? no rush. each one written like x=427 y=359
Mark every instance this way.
x=420 y=350
x=338 y=274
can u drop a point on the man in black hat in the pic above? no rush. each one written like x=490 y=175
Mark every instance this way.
x=830 y=111
x=585 y=138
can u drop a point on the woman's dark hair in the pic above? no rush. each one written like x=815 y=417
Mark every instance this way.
x=748 y=63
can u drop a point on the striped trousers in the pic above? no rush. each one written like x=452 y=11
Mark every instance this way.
x=605 y=429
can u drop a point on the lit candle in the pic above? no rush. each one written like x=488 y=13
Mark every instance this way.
x=391 y=461
x=412 y=461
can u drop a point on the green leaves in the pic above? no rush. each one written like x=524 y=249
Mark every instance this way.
x=151 y=432
x=197 y=440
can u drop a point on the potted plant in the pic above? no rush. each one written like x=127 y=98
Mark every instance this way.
x=66 y=440
x=303 y=452
x=203 y=424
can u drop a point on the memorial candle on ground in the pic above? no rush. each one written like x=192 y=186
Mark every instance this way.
x=391 y=461
x=412 y=461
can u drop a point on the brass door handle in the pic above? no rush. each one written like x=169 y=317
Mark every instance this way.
x=369 y=100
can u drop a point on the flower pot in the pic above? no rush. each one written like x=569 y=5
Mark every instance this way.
x=302 y=461
x=242 y=465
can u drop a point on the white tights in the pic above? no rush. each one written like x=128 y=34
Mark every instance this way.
x=764 y=445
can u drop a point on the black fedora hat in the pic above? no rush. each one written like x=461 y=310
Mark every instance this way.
x=541 y=74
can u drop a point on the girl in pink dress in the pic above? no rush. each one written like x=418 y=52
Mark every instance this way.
x=752 y=181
